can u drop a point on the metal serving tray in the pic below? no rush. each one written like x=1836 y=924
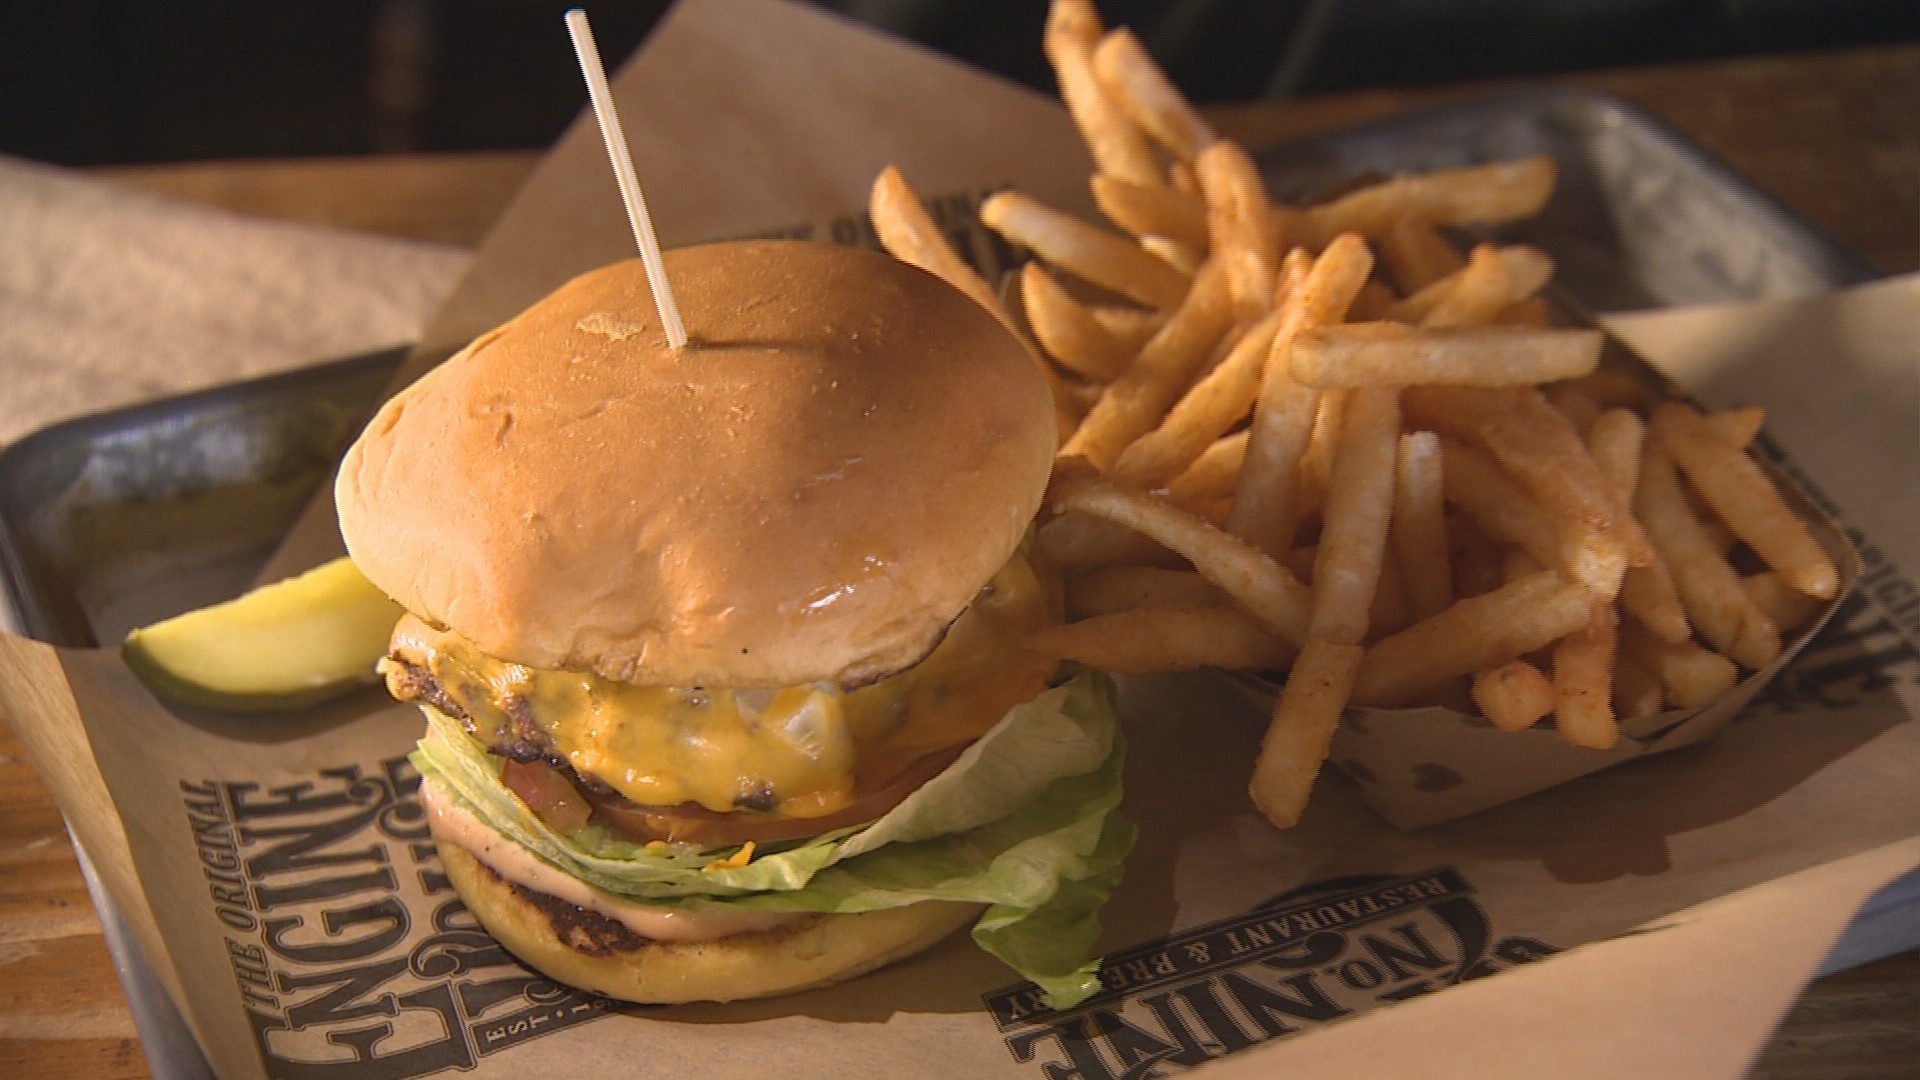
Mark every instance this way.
x=120 y=519
x=1640 y=217
x=114 y=521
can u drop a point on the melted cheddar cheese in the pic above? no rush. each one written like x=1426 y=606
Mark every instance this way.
x=801 y=751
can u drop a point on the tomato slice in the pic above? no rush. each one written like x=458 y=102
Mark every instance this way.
x=548 y=793
x=691 y=823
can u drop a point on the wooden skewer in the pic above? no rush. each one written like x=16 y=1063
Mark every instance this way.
x=622 y=159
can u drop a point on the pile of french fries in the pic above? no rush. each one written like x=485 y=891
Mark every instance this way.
x=1395 y=483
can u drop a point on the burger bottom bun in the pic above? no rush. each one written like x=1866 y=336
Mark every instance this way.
x=582 y=949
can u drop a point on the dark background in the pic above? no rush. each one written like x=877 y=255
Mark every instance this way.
x=100 y=82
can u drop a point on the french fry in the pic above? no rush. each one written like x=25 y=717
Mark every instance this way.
x=1067 y=330
x=1616 y=440
x=1265 y=510
x=1068 y=409
x=1531 y=312
x=1220 y=398
x=1296 y=268
x=1151 y=209
x=1648 y=593
x=1213 y=511
x=1258 y=584
x=1225 y=394
x=1483 y=195
x=1214 y=473
x=1359 y=502
x=1473 y=635
x=1183 y=257
x=1374 y=303
x=1416 y=256
x=1084 y=395
x=1132 y=327
x=1301 y=732
x=1583 y=682
x=1107 y=589
x=1083 y=250
x=1614 y=388
x=1689 y=675
x=1180 y=177
x=901 y=222
x=1072 y=541
x=1497 y=505
x=1536 y=446
x=1316 y=461
x=1142 y=640
x=1419 y=528
x=1075 y=22
x=1637 y=693
x=1386 y=354
x=1709 y=589
x=1251 y=276
x=1719 y=533
x=1137 y=400
x=1527 y=271
x=1118 y=147
x=1513 y=696
x=1413 y=308
x=1737 y=426
x=1239 y=225
x=1743 y=497
x=1788 y=607
x=1579 y=408
x=1482 y=289
x=1142 y=91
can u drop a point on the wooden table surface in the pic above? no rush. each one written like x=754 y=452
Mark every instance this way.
x=1836 y=136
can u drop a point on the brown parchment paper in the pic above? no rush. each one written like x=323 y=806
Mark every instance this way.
x=276 y=870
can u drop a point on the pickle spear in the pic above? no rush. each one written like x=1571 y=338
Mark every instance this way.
x=284 y=646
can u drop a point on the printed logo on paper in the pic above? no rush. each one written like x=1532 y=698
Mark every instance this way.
x=316 y=884
x=1306 y=957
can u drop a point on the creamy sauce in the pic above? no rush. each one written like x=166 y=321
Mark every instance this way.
x=457 y=825
x=804 y=751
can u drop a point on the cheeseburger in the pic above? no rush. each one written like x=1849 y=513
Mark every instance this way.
x=720 y=647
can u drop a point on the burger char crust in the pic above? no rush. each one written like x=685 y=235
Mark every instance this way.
x=408 y=681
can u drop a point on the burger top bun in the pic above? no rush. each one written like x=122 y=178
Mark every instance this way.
x=811 y=490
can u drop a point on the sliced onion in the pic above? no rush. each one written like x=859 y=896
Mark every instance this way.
x=691 y=823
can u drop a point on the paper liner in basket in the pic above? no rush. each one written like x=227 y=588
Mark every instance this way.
x=1419 y=767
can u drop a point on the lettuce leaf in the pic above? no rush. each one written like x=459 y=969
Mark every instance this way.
x=1024 y=821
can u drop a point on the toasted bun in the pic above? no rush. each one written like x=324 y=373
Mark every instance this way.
x=811 y=490
x=569 y=946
